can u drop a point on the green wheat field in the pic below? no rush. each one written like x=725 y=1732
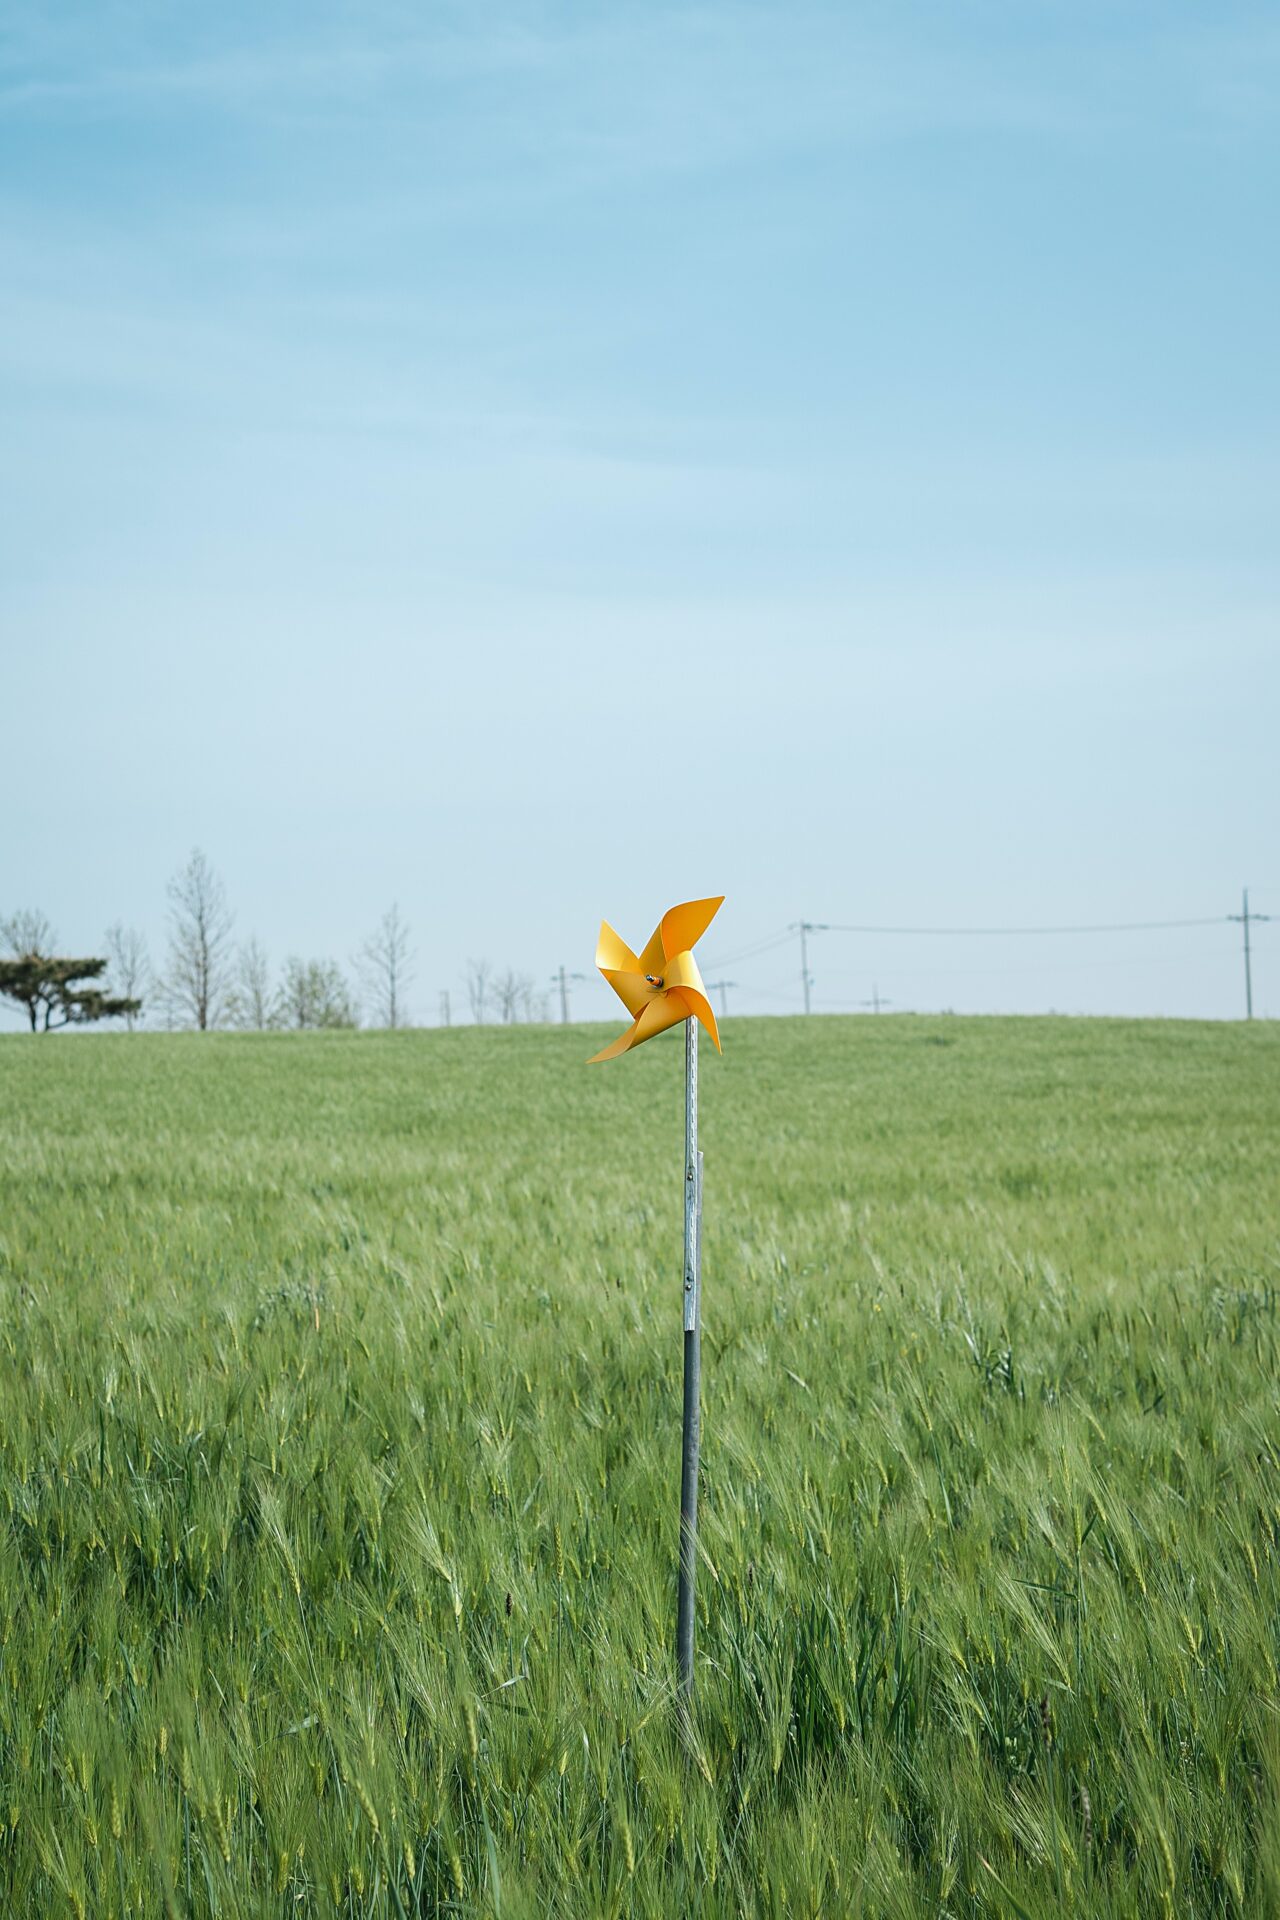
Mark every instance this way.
x=339 y=1459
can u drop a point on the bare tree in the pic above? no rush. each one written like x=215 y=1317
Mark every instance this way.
x=28 y=931
x=478 y=989
x=512 y=996
x=535 y=1006
x=130 y=965
x=249 y=998
x=197 y=976
x=385 y=966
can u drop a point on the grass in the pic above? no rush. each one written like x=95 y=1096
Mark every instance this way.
x=339 y=1410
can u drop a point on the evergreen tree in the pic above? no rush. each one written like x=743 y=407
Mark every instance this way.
x=48 y=988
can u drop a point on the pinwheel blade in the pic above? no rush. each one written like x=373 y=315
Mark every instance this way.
x=663 y=1011
x=614 y=1048
x=700 y=1008
x=682 y=926
x=654 y=956
x=613 y=955
x=631 y=988
x=682 y=971
x=659 y=1013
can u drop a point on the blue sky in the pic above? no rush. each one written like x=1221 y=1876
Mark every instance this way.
x=541 y=462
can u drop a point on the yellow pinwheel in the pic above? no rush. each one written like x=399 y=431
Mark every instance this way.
x=661 y=986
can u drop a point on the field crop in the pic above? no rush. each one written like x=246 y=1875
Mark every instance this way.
x=339 y=1452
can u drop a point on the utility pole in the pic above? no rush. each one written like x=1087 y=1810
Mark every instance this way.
x=1244 y=919
x=875 y=1002
x=806 y=927
x=722 y=988
x=561 y=978
x=444 y=1009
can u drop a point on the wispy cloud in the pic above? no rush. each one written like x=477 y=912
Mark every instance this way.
x=664 y=82
x=701 y=77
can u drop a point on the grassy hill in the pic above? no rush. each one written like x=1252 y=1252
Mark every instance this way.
x=339 y=1434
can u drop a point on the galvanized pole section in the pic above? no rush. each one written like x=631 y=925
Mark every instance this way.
x=692 y=1364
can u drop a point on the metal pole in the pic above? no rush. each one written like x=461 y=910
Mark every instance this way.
x=804 y=963
x=564 y=1001
x=691 y=1431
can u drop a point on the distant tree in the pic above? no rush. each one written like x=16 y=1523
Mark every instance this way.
x=513 y=996
x=313 y=993
x=385 y=965
x=130 y=965
x=197 y=977
x=50 y=987
x=249 y=995
x=28 y=931
x=478 y=972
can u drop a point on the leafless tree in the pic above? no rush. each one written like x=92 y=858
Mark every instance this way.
x=249 y=998
x=512 y=996
x=478 y=989
x=504 y=994
x=385 y=967
x=198 y=973
x=28 y=932
x=130 y=966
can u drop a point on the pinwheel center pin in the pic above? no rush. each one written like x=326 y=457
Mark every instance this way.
x=660 y=988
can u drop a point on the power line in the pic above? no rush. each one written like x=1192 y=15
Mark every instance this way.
x=767 y=945
x=805 y=927
x=1118 y=926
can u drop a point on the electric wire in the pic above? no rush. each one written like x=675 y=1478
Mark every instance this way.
x=1118 y=926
